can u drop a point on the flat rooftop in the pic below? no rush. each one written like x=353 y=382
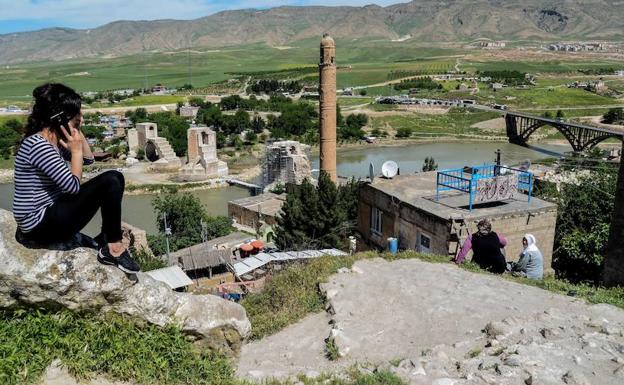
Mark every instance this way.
x=419 y=190
x=268 y=204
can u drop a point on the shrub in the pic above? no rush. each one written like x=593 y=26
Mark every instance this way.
x=403 y=132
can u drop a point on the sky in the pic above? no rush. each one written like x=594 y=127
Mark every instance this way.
x=28 y=15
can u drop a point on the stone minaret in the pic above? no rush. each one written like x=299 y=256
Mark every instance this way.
x=327 y=106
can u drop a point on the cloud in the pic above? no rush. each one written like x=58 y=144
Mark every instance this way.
x=92 y=13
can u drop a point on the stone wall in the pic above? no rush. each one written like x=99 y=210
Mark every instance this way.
x=248 y=217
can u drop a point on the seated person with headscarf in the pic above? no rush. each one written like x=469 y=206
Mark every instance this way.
x=486 y=248
x=531 y=262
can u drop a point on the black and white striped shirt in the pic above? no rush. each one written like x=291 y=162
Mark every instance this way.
x=41 y=176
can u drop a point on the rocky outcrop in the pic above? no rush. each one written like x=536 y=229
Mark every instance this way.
x=62 y=276
x=439 y=324
x=135 y=238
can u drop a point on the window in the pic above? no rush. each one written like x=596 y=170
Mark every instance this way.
x=376 y=221
x=424 y=243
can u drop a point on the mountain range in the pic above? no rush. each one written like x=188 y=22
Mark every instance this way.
x=420 y=20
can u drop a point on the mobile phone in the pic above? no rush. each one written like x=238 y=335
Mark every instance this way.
x=60 y=120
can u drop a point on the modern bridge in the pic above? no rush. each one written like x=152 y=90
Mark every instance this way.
x=581 y=137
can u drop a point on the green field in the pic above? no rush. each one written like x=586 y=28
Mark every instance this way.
x=144 y=100
x=370 y=63
x=455 y=122
x=360 y=63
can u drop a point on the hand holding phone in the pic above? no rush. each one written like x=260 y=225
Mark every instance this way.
x=73 y=140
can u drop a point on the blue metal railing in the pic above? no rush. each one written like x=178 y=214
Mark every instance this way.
x=465 y=179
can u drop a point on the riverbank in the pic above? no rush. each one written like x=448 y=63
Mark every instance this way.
x=140 y=180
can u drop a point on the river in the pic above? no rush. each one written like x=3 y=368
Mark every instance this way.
x=137 y=209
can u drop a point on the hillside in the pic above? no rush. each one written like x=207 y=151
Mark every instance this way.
x=423 y=20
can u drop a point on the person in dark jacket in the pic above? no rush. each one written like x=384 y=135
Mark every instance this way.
x=486 y=248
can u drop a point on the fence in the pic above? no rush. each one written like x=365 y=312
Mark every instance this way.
x=485 y=183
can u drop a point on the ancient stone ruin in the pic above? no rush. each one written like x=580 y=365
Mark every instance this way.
x=157 y=149
x=202 y=155
x=286 y=162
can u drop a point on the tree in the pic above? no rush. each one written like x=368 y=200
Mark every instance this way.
x=339 y=117
x=318 y=217
x=429 y=165
x=251 y=137
x=613 y=273
x=196 y=101
x=583 y=218
x=548 y=115
x=185 y=215
x=10 y=135
x=363 y=92
x=403 y=132
x=331 y=214
x=210 y=116
x=95 y=132
x=614 y=116
x=293 y=225
x=257 y=124
x=353 y=127
x=560 y=114
x=137 y=116
x=174 y=128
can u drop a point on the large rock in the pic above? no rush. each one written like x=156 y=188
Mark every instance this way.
x=72 y=278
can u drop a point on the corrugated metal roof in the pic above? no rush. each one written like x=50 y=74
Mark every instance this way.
x=172 y=276
x=254 y=262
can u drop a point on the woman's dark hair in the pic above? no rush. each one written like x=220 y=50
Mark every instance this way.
x=52 y=100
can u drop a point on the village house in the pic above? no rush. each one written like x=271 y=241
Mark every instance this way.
x=405 y=207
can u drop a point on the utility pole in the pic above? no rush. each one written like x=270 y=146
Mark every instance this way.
x=204 y=231
x=167 y=235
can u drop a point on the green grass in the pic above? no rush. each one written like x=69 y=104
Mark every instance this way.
x=455 y=122
x=558 y=66
x=331 y=350
x=122 y=350
x=353 y=101
x=112 y=346
x=7 y=164
x=4 y=118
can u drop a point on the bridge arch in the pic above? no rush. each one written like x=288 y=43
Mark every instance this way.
x=581 y=137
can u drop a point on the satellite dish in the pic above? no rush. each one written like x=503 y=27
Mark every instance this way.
x=525 y=165
x=371 y=171
x=389 y=169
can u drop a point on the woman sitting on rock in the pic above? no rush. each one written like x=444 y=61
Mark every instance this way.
x=50 y=204
x=531 y=262
x=486 y=248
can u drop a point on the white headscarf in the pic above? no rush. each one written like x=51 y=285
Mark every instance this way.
x=531 y=243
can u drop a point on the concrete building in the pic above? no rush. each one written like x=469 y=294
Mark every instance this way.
x=189 y=111
x=157 y=149
x=286 y=162
x=405 y=207
x=202 y=162
x=327 y=106
x=257 y=214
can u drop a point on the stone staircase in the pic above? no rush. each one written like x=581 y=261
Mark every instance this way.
x=166 y=152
